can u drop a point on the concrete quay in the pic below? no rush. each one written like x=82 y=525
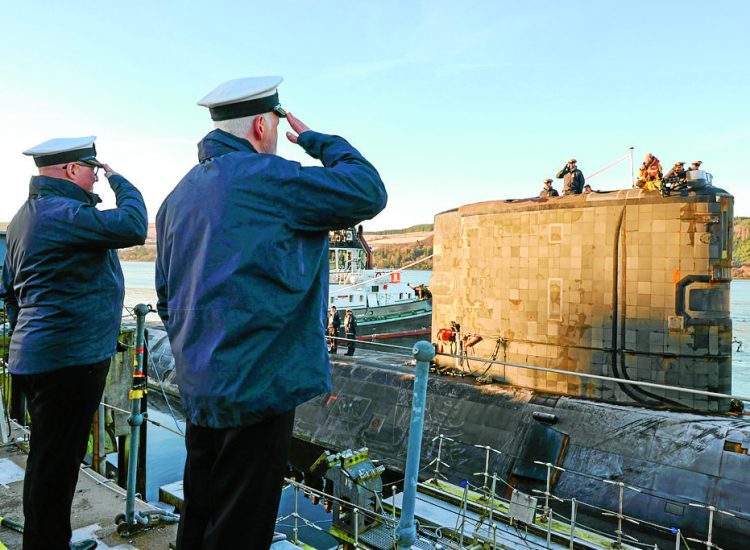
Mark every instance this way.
x=96 y=503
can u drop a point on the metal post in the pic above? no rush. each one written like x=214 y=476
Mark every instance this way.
x=573 y=513
x=492 y=501
x=296 y=512
x=547 y=495
x=133 y=520
x=711 y=509
x=678 y=534
x=395 y=523
x=136 y=417
x=356 y=527
x=437 y=461
x=140 y=485
x=407 y=531
x=549 y=527
x=462 y=512
x=619 y=515
x=486 y=473
x=632 y=169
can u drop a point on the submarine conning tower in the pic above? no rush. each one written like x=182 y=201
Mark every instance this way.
x=628 y=284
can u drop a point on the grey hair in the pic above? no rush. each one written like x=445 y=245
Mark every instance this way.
x=240 y=127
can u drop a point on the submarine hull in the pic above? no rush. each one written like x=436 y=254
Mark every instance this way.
x=672 y=458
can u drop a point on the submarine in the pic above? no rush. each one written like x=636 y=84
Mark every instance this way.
x=584 y=341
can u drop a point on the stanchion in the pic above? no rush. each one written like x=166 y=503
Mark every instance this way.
x=407 y=531
x=133 y=521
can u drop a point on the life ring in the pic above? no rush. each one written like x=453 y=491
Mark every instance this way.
x=395 y=276
x=369 y=312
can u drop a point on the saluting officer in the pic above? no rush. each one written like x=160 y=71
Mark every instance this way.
x=242 y=278
x=572 y=177
x=63 y=289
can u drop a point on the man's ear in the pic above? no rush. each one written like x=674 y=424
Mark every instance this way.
x=259 y=127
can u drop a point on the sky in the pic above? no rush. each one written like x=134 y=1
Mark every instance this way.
x=453 y=102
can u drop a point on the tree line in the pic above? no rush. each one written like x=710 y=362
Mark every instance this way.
x=398 y=255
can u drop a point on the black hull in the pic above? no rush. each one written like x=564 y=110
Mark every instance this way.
x=675 y=458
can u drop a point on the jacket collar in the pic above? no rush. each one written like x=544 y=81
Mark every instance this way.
x=218 y=143
x=45 y=186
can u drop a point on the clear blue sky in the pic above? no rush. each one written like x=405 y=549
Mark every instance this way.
x=454 y=102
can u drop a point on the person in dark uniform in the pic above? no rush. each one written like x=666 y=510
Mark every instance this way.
x=572 y=177
x=63 y=289
x=350 y=328
x=548 y=191
x=676 y=172
x=334 y=324
x=696 y=165
x=242 y=279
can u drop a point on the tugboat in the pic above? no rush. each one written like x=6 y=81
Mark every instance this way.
x=384 y=305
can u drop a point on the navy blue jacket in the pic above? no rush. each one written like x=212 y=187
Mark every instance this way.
x=62 y=282
x=242 y=272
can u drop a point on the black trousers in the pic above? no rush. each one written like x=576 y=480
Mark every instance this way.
x=61 y=404
x=350 y=344
x=333 y=333
x=232 y=484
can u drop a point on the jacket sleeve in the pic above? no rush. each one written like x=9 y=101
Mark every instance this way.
x=7 y=294
x=561 y=174
x=162 y=295
x=346 y=190
x=161 y=292
x=119 y=227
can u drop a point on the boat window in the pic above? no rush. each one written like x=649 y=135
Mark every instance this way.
x=361 y=298
x=351 y=297
x=374 y=288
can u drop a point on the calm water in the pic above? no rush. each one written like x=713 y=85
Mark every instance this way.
x=141 y=275
x=166 y=451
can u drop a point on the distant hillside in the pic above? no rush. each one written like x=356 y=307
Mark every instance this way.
x=392 y=256
x=741 y=249
x=413 y=229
